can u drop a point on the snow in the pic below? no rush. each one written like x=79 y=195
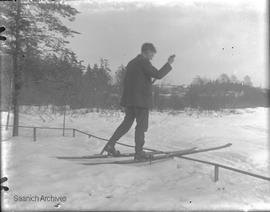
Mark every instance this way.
x=176 y=184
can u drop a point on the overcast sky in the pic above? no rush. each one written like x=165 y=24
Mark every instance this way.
x=208 y=37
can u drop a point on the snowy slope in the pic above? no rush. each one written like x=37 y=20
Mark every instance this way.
x=177 y=184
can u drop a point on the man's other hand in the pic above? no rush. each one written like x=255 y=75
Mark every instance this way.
x=171 y=59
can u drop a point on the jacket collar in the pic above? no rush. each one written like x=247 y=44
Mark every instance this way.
x=141 y=57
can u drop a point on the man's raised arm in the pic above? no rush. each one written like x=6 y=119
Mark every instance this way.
x=158 y=74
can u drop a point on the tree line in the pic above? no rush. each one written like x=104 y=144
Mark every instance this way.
x=226 y=92
x=60 y=81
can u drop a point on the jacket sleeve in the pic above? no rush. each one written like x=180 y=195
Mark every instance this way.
x=151 y=71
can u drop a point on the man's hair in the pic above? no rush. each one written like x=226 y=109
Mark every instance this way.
x=148 y=47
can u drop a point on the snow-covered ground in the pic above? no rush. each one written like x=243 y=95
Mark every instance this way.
x=177 y=184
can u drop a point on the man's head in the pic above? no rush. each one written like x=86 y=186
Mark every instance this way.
x=148 y=50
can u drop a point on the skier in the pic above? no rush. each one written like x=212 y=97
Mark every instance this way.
x=137 y=99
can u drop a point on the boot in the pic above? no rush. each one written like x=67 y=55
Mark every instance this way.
x=142 y=155
x=111 y=150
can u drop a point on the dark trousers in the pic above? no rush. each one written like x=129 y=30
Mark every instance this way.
x=131 y=113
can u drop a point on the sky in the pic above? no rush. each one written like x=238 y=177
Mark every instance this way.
x=209 y=37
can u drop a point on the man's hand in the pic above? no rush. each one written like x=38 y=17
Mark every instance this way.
x=171 y=59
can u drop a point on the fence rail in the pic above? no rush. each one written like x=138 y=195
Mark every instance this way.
x=49 y=128
x=217 y=166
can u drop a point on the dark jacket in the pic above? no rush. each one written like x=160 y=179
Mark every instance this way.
x=137 y=89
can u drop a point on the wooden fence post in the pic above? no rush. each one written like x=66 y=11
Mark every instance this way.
x=74 y=132
x=216 y=173
x=34 y=134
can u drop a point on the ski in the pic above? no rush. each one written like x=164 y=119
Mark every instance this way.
x=159 y=157
x=99 y=156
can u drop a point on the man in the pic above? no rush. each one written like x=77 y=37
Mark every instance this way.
x=137 y=98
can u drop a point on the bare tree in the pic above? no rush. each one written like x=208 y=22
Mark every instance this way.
x=224 y=78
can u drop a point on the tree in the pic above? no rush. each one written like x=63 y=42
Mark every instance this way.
x=97 y=84
x=34 y=28
x=102 y=84
x=223 y=78
x=200 y=80
x=234 y=79
x=119 y=79
x=197 y=81
x=247 y=81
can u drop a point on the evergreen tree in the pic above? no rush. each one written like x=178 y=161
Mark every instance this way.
x=247 y=81
x=34 y=27
x=119 y=79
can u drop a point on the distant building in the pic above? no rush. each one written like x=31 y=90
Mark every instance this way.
x=172 y=90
